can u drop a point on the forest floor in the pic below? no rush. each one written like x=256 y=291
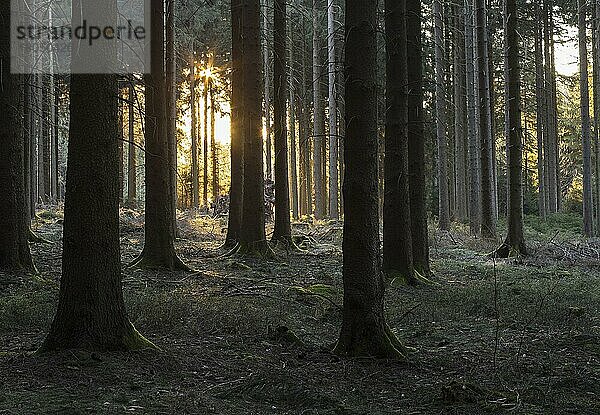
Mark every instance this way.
x=512 y=336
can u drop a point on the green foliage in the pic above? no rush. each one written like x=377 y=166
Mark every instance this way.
x=567 y=224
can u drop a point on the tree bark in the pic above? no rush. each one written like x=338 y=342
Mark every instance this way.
x=252 y=234
x=237 y=138
x=364 y=330
x=14 y=220
x=91 y=311
x=540 y=111
x=333 y=116
x=588 y=208
x=488 y=220
x=293 y=130
x=397 y=241
x=159 y=247
x=474 y=155
x=460 y=118
x=440 y=120
x=318 y=116
x=514 y=243
x=416 y=138
x=267 y=85
x=131 y=152
x=283 y=228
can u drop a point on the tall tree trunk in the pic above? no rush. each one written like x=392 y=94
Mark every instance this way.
x=159 y=246
x=540 y=113
x=474 y=155
x=267 y=84
x=596 y=89
x=194 y=135
x=460 y=118
x=440 y=111
x=364 y=330
x=283 y=228
x=207 y=83
x=588 y=208
x=171 y=101
x=333 y=116
x=550 y=146
x=514 y=243
x=214 y=151
x=416 y=138
x=91 y=310
x=131 y=152
x=237 y=138
x=292 y=106
x=488 y=220
x=46 y=128
x=14 y=220
x=318 y=115
x=252 y=235
x=397 y=241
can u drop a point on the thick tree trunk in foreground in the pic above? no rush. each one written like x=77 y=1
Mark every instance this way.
x=237 y=138
x=253 y=240
x=364 y=330
x=91 y=311
x=14 y=217
x=588 y=208
x=159 y=246
x=283 y=228
x=397 y=241
x=416 y=138
x=440 y=111
x=514 y=243
x=488 y=219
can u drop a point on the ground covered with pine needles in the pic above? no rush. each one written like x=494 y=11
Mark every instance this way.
x=242 y=336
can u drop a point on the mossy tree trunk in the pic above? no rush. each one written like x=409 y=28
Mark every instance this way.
x=364 y=331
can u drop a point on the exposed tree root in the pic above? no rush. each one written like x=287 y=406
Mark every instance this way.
x=35 y=238
x=415 y=279
x=507 y=251
x=259 y=249
x=231 y=251
x=131 y=341
x=286 y=245
x=383 y=346
x=171 y=262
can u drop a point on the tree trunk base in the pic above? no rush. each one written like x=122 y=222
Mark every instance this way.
x=130 y=341
x=35 y=238
x=159 y=262
x=381 y=343
x=414 y=279
x=260 y=249
x=509 y=250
